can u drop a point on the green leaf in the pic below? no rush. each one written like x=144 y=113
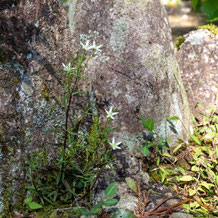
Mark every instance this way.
x=124 y=214
x=34 y=206
x=194 y=204
x=210 y=136
x=149 y=124
x=196 y=4
x=79 y=92
x=173 y=118
x=28 y=200
x=45 y=188
x=167 y=155
x=164 y=174
x=207 y=185
x=164 y=147
x=210 y=9
x=84 y=212
x=197 y=153
x=132 y=184
x=51 y=193
x=201 y=106
x=58 y=177
x=216 y=178
x=148 y=145
x=177 y=148
x=63 y=100
x=204 y=148
x=211 y=109
x=181 y=169
x=195 y=169
x=110 y=202
x=185 y=178
x=99 y=204
x=55 y=195
x=143 y=122
x=111 y=189
x=30 y=187
x=216 y=152
x=191 y=192
x=160 y=141
x=66 y=184
x=164 y=170
x=195 y=139
x=201 y=189
x=158 y=161
x=145 y=151
x=97 y=208
x=168 y=141
x=49 y=201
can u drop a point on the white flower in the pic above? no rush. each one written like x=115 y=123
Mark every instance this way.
x=68 y=68
x=110 y=113
x=95 y=47
x=114 y=145
x=86 y=46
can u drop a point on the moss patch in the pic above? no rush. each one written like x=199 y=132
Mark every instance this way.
x=63 y=211
x=211 y=27
x=179 y=41
x=44 y=92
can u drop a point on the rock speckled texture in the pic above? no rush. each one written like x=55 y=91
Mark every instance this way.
x=34 y=41
x=139 y=72
x=198 y=60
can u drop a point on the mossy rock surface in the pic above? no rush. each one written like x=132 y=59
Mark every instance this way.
x=211 y=27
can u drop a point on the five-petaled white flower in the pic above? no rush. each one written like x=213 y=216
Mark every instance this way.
x=110 y=113
x=114 y=145
x=95 y=47
x=86 y=46
x=68 y=68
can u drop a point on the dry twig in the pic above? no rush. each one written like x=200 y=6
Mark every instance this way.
x=162 y=212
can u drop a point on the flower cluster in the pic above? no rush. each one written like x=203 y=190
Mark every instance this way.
x=90 y=47
x=68 y=68
x=111 y=114
x=114 y=145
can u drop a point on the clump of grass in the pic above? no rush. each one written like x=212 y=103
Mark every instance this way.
x=191 y=169
x=83 y=150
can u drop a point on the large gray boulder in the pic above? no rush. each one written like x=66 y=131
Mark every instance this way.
x=136 y=72
x=198 y=60
x=34 y=42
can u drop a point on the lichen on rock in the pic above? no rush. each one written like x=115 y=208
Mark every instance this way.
x=198 y=60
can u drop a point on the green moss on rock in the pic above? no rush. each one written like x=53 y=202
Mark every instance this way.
x=6 y=199
x=179 y=41
x=211 y=27
x=44 y=92
x=56 y=211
